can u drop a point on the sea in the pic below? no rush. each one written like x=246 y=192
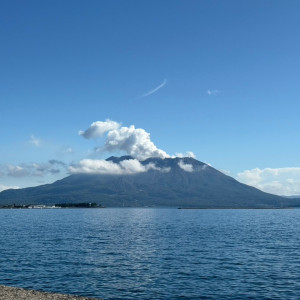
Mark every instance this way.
x=153 y=253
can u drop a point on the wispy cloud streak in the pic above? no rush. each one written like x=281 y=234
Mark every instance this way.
x=156 y=89
x=34 y=141
x=212 y=92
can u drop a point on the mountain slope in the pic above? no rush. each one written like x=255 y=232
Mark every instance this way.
x=178 y=182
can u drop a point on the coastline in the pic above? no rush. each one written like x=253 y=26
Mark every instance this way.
x=14 y=293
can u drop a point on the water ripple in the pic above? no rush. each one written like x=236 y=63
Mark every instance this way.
x=153 y=253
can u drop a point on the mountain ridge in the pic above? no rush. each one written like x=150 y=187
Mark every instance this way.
x=171 y=182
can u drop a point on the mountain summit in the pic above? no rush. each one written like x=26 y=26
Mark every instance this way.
x=172 y=182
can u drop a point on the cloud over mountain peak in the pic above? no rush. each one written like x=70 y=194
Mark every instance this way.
x=133 y=141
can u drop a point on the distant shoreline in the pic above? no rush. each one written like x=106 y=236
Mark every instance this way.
x=54 y=206
x=236 y=207
x=7 y=292
x=156 y=207
x=46 y=208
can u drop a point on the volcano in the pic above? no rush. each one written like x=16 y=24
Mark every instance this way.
x=170 y=182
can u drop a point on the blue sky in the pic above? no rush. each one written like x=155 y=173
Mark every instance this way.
x=219 y=78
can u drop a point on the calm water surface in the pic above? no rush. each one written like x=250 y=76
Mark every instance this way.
x=153 y=253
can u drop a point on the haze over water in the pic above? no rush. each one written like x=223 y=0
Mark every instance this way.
x=153 y=253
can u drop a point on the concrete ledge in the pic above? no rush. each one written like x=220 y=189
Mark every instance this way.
x=8 y=293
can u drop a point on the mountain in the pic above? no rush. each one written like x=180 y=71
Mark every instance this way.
x=174 y=182
x=292 y=197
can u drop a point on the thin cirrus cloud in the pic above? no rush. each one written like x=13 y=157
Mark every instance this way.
x=212 y=92
x=35 y=141
x=68 y=150
x=155 y=89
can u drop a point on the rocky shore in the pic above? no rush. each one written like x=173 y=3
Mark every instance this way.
x=12 y=293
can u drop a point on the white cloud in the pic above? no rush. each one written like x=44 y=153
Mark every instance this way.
x=212 y=92
x=16 y=171
x=35 y=141
x=33 y=169
x=152 y=166
x=134 y=141
x=155 y=89
x=279 y=181
x=204 y=167
x=187 y=154
x=99 y=128
x=132 y=166
x=8 y=187
x=68 y=150
x=94 y=166
x=185 y=167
